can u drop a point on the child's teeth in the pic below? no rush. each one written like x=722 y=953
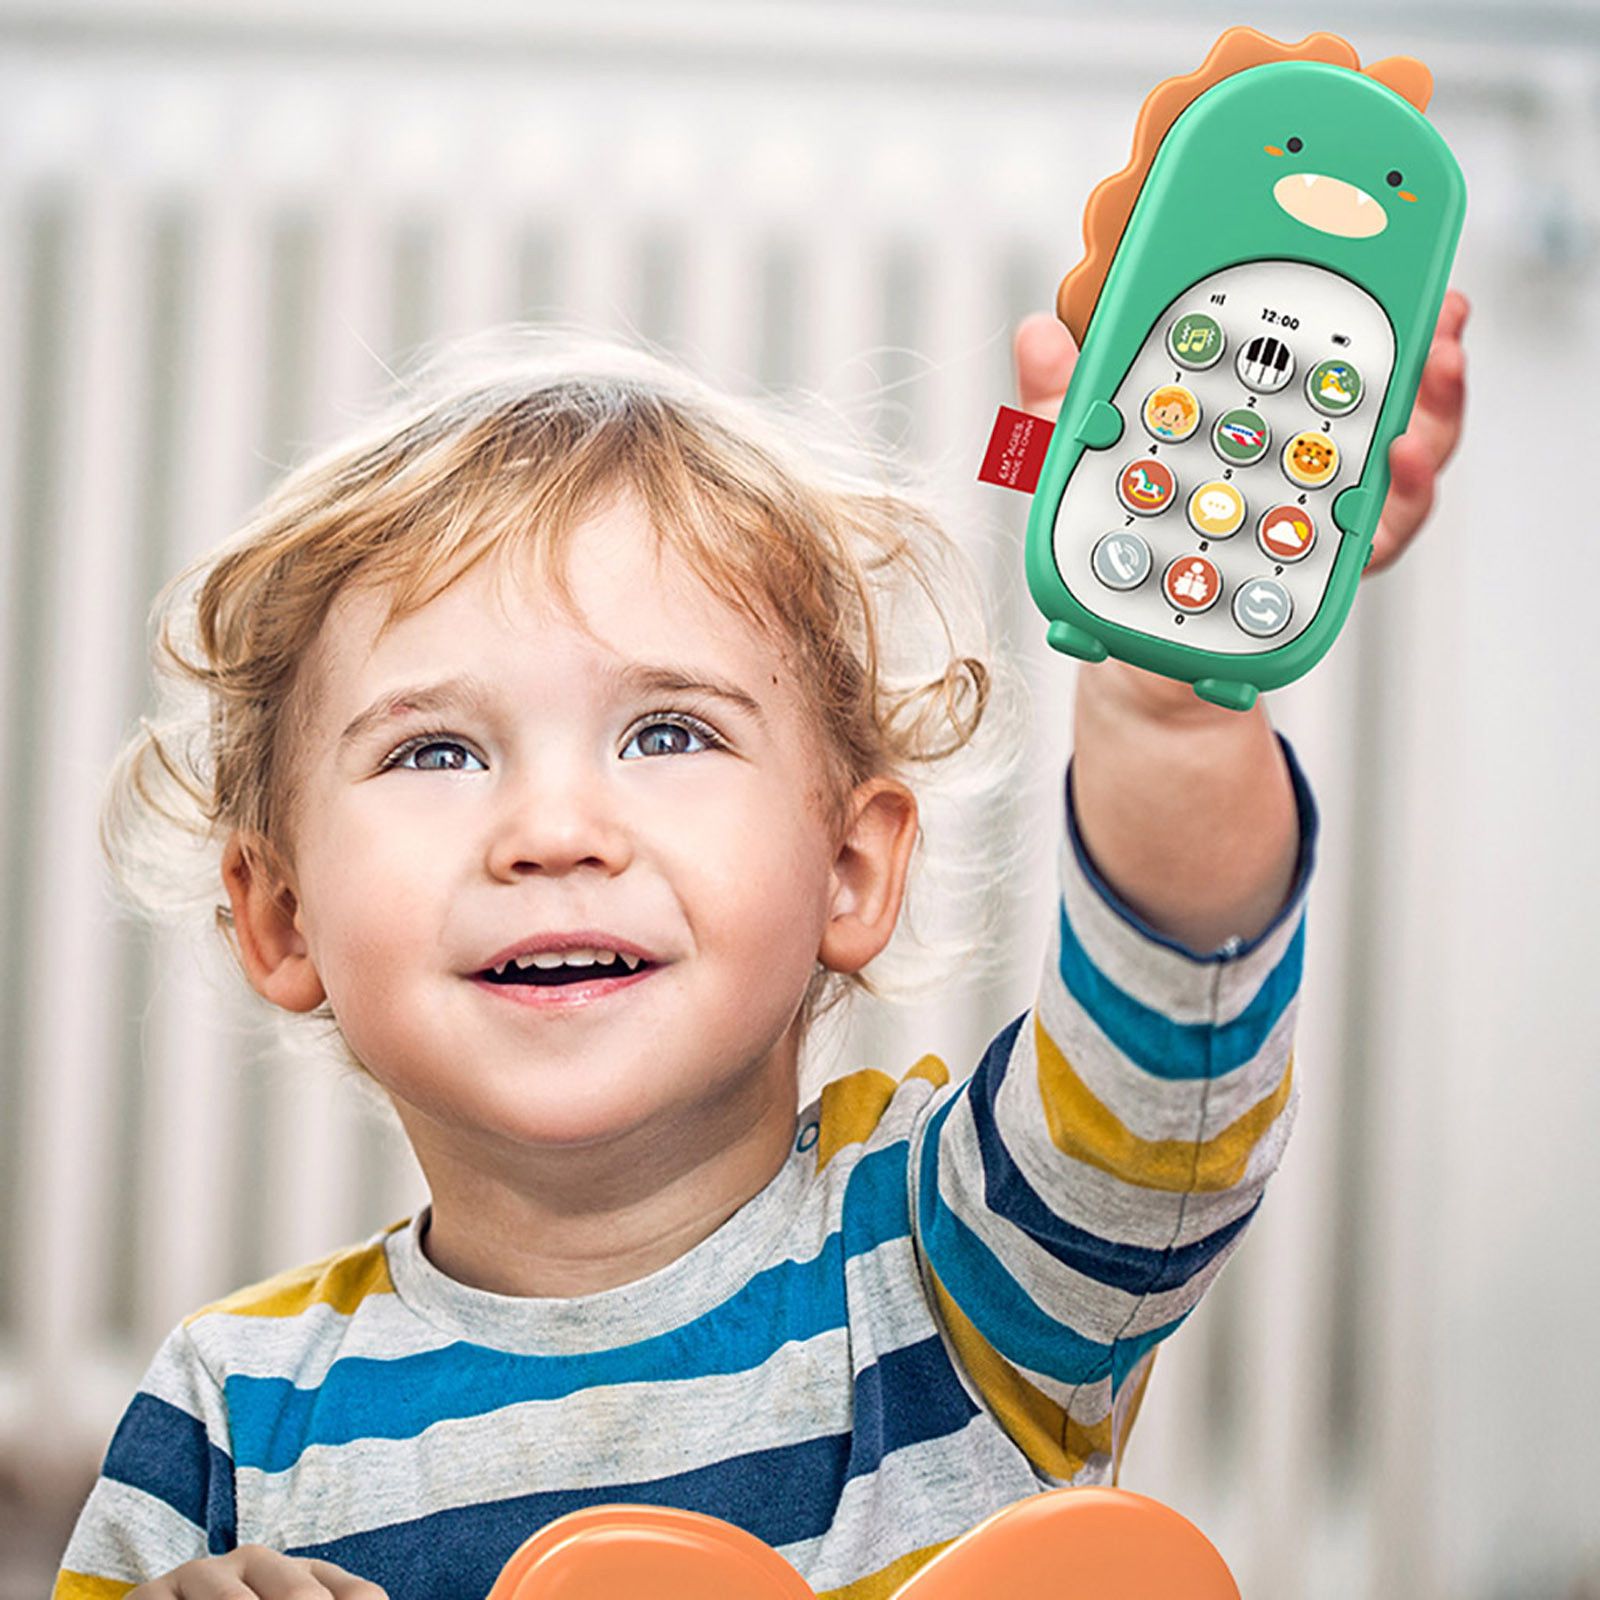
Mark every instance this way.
x=546 y=960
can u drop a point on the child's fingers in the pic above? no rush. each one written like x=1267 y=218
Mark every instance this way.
x=344 y=1585
x=254 y=1572
x=1044 y=354
x=1441 y=399
x=1412 y=483
x=1418 y=456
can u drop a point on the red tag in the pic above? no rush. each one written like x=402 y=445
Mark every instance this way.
x=1016 y=450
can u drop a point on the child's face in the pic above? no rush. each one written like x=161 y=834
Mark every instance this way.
x=563 y=803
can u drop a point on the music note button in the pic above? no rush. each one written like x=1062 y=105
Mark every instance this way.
x=1195 y=341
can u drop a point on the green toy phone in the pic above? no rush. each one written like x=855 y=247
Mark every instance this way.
x=1258 y=295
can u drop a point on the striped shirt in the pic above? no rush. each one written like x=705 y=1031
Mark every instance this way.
x=948 y=1298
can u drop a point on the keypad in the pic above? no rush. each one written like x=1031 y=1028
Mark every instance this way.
x=1249 y=407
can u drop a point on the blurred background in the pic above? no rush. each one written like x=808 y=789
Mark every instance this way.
x=220 y=229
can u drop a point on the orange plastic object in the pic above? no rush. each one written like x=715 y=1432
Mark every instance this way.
x=1063 y=1544
x=1111 y=201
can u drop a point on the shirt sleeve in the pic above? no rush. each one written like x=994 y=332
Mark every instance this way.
x=1077 y=1194
x=165 y=1494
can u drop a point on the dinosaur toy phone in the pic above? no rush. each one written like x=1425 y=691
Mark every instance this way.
x=1257 y=297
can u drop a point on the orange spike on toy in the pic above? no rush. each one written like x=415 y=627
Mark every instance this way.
x=1064 y=1544
x=1112 y=200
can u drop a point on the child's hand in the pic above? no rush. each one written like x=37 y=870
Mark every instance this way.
x=1045 y=355
x=254 y=1571
x=1418 y=455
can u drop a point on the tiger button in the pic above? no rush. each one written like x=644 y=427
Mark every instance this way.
x=1310 y=459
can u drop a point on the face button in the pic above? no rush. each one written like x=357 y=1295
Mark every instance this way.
x=1171 y=413
x=1146 y=486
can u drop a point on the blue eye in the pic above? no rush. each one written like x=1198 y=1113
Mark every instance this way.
x=426 y=741
x=679 y=723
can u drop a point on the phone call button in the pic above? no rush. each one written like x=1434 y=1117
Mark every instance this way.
x=1121 y=560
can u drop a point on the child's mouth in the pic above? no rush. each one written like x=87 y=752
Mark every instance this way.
x=564 y=985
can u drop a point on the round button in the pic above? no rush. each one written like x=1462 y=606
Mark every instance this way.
x=1261 y=607
x=1241 y=436
x=1265 y=364
x=1146 y=486
x=1195 y=341
x=1121 y=560
x=1310 y=459
x=1171 y=413
x=1191 y=583
x=1286 y=533
x=1216 y=510
x=1334 y=387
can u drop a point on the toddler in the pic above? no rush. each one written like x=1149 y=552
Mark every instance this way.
x=419 y=747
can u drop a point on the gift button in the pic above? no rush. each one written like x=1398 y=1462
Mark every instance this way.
x=1146 y=486
x=1191 y=583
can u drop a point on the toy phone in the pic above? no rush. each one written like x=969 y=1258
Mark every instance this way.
x=1068 y=1544
x=1257 y=297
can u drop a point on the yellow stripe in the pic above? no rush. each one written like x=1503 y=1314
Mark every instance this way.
x=1051 y=1440
x=886 y=1580
x=80 y=1586
x=341 y=1280
x=1082 y=1127
x=853 y=1106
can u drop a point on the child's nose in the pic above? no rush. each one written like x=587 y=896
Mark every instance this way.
x=556 y=820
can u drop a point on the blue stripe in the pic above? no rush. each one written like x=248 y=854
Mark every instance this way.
x=367 y=1398
x=781 y=1495
x=162 y=1450
x=1008 y=1194
x=1179 y=1050
x=997 y=1305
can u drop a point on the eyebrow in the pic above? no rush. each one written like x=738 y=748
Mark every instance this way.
x=474 y=693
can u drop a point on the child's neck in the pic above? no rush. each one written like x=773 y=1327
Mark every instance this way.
x=611 y=1222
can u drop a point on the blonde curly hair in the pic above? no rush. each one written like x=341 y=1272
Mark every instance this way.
x=504 y=442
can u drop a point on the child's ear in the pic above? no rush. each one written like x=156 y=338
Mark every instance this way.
x=266 y=922
x=869 y=875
